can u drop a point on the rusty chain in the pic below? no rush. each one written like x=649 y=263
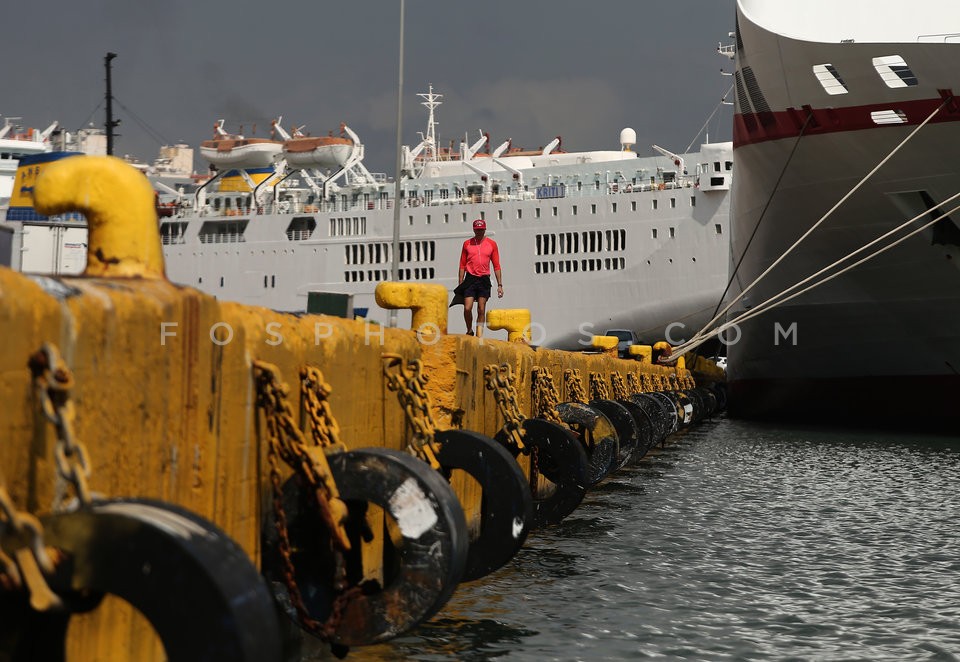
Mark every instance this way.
x=633 y=383
x=598 y=387
x=31 y=559
x=647 y=381
x=500 y=380
x=286 y=442
x=619 y=388
x=574 y=384
x=314 y=394
x=53 y=381
x=409 y=382
x=674 y=382
x=544 y=396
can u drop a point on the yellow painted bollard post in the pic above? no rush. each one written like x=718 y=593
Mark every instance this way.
x=428 y=302
x=606 y=344
x=118 y=202
x=642 y=353
x=515 y=321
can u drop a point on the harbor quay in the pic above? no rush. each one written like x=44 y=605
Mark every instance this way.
x=160 y=487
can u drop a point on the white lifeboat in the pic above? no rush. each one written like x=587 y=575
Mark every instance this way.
x=323 y=152
x=234 y=151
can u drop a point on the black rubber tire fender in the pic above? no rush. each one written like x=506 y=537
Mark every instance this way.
x=506 y=512
x=604 y=450
x=194 y=584
x=646 y=427
x=655 y=411
x=628 y=433
x=420 y=574
x=562 y=460
x=670 y=410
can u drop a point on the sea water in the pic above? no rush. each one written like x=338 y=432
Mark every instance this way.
x=737 y=541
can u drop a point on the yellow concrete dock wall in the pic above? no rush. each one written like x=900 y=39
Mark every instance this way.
x=172 y=416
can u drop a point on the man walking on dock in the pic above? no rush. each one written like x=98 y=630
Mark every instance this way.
x=475 y=258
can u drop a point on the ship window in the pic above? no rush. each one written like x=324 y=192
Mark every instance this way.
x=613 y=207
x=483 y=215
x=499 y=214
x=718 y=228
x=633 y=206
x=673 y=232
x=654 y=203
x=894 y=71
x=554 y=211
x=463 y=217
x=888 y=117
x=574 y=210
x=519 y=213
x=223 y=232
x=537 y=268
x=221 y=281
x=653 y=233
x=829 y=79
x=428 y=219
x=593 y=209
x=537 y=214
x=693 y=201
x=301 y=228
x=728 y=165
x=446 y=218
x=273 y=281
x=411 y=219
x=673 y=203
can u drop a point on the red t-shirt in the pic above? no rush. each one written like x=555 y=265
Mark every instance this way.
x=476 y=258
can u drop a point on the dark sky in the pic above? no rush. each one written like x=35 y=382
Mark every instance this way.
x=523 y=69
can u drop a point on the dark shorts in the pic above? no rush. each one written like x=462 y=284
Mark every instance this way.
x=480 y=287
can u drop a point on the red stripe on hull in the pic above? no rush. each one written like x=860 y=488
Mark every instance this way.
x=760 y=127
x=913 y=403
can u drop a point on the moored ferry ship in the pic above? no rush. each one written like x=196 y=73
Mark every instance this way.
x=589 y=240
x=845 y=123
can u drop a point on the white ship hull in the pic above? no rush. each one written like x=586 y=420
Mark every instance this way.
x=882 y=340
x=604 y=256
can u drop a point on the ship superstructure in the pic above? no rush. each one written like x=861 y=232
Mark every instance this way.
x=589 y=240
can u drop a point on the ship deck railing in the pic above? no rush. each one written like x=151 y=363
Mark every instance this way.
x=287 y=207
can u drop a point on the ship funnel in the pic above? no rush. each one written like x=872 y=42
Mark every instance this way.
x=628 y=138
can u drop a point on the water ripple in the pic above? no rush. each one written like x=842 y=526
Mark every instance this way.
x=737 y=542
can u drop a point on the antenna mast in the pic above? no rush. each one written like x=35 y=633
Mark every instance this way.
x=111 y=123
x=431 y=101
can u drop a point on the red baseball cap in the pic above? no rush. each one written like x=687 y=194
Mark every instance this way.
x=479 y=224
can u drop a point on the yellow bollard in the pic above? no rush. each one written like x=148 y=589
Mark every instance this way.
x=607 y=344
x=118 y=201
x=643 y=353
x=515 y=321
x=427 y=301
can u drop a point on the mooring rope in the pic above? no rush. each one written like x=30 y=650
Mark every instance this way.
x=700 y=334
x=772 y=302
